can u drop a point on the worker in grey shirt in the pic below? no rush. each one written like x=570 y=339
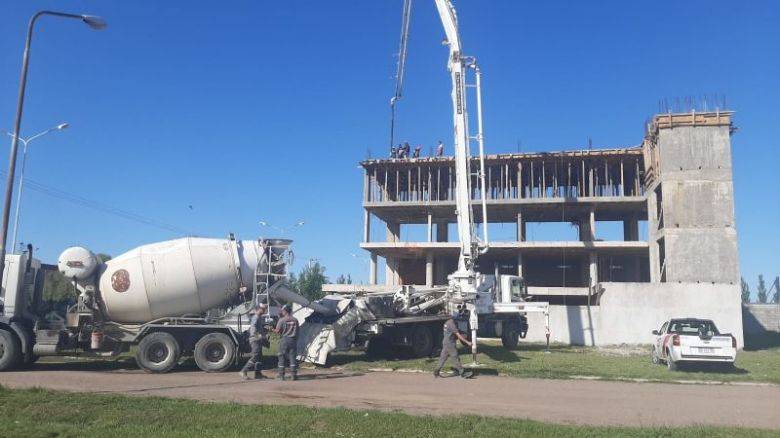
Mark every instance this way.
x=449 y=346
x=287 y=328
x=257 y=336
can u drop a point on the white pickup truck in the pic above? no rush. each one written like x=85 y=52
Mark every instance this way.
x=692 y=340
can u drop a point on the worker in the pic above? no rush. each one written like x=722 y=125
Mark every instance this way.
x=393 y=152
x=287 y=327
x=407 y=149
x=417 y=150
x=440 y=149
x=401 y=151
x=449 y=346
x=258 y=335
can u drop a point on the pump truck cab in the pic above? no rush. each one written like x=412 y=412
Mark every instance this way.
x=171 y=299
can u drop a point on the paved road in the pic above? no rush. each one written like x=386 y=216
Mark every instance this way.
x=558 y=401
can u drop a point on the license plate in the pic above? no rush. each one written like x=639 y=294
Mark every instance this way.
x=706 y=350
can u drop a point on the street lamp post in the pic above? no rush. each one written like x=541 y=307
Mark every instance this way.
x=96 y=23
x=26 y=142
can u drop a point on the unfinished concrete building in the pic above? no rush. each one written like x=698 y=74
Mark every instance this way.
x=672 y=196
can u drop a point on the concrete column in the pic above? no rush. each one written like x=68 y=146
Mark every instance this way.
x=429 y=269
x=588 y=227
x=430 y=227
x=366 y=226
x=393 y=232
x=441 y=232
x=631 y=229
x=520 y=227
x=592 y=221
x=372 y=269
x=391 y=271
x=594 y=269
x=520 y=264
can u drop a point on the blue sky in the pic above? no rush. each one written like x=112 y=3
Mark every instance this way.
x=250 y=110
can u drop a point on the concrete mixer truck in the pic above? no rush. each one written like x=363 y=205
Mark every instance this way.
x=170 y=300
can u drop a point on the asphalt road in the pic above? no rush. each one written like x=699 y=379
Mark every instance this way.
x=557 y=401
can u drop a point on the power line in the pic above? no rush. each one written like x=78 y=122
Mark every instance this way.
x=100 y=206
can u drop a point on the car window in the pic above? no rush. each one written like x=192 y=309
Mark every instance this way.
x=694 y=328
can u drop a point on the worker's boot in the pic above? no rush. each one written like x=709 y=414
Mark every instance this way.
x=294 y=372
x=280 y=374
x=437 y=373
x=243 y=375
x=259 y=375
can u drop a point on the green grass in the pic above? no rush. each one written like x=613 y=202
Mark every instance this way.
x=41 y=413
x=563 y=362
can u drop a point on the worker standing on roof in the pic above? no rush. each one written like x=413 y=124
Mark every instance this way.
x=393 y=152
x=440 y=149
x=287 y=327
x=407 y=150
x=258 y=336
x=449 y=346
x=417 y=150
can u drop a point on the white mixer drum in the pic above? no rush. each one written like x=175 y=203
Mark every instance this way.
x=175 y=277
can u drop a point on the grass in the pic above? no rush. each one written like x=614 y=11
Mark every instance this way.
x=42 y=413
x=563 y=362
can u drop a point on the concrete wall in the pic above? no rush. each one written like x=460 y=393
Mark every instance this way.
x=628 y=313
x=761 y=318
x=697 y=196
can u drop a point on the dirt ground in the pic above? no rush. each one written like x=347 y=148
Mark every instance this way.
x=557 y=401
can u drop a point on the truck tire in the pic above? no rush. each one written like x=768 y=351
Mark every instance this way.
x=422 y=341
x=670 y=363
x=10 y=350
x=215 y=352
x=158 y=352
x=510 y=335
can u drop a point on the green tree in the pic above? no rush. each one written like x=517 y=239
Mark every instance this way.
x=58 y=289
x=342 y=279
x=776 y=287
x=762 y=292
x=745 y=290
x=309 y=281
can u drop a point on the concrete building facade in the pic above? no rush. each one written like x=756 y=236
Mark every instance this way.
x=672 y=197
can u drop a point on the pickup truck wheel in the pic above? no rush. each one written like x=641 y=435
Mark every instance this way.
x=158 y=352
x=654 y=357
x=10 y=350
x=510 y=336
x=214 y=352
x=422 y=341
x=671 y=364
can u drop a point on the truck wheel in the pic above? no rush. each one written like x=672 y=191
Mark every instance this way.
x=214 y=352
x=158 y=353
x=654 y=357
x=670 y=363
x=510 y=336
x=10 y=350
x=422 y=341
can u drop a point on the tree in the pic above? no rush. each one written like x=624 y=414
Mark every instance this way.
x=344 y=279
x=309 y=281
x=762 y=292
x=776 y=287
x=745 y=290
x=58 y=289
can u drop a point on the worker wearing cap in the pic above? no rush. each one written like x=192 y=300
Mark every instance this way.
x=257 y=336
x=287 y=327
x=449 y=346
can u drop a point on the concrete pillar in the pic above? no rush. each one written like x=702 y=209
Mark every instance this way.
x=594 y=269
x=372 y=269
x=441 y=232
x=588 y=227
x=429 y=269
x=520 y=227
x=391 y=271
x=366 y=226
x=393 y=232
x=631 y=229
x=519 y=264
x=430 y=227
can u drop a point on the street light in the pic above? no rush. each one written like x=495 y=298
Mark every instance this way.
x=282 y=230
x=25 y=142
x=96 y=23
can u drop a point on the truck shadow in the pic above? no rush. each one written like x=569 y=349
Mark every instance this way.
x=710 y=368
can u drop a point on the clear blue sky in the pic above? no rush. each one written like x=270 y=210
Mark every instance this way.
x=250 y=110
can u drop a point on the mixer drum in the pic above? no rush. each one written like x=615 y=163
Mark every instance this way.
x=175 y=278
